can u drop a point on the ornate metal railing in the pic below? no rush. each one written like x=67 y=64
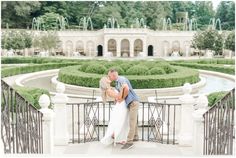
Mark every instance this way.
x=219 y=127
x=156 y=121
x=21 y=123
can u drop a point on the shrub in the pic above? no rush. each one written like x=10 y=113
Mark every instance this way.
x=126 y=66
x=119 y=70
x=214 y=97
x=96 y=68
x=137 y=70
x=71 y=75
x=32 y=68
x=31 y=94
x=218 y=68
x=156 y=71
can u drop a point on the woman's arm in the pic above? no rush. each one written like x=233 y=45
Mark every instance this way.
x=111 y=93
x=123 y=92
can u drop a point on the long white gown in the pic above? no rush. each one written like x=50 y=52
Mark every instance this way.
x=118 y=124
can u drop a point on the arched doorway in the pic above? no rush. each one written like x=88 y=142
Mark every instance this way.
x=125 y=46
x=80 y=47
x=150 y=50
x=138 y=47
x=69 y=48
x=99 y=49
x=112 y=47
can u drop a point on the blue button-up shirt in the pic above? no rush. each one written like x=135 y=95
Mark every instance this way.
x=132 y=96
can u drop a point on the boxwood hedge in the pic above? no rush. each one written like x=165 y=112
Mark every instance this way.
x=11 y=71
x=211 y=67
x=72 y=75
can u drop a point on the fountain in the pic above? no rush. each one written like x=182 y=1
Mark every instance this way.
x=213 y=24
x=44 y=54
x=139 y=23
x=190 y=25
x=62 y=23
x=166 y=23
x=38 y=24
x=10 y=53
x=84 y=23
x=112 y=23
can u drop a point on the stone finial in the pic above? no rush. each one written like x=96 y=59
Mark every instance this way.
x=187 y=88
x=60 y=88
x=44 y=101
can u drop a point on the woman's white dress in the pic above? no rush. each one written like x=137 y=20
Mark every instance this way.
x=118 y=124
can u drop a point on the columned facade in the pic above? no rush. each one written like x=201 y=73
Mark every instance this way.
x=126 y=42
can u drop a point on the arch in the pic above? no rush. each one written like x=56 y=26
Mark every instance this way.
x=69 y=48
x=99 y=50
x=138 y=47
x=90 y=48
x=187 y=48
x=80 y=47
x=175 y=46
x=166 y=48
x=112 y=46
x=150 y=50
x=125 y=48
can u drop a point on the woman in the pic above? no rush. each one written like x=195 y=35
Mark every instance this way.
x=118 y=126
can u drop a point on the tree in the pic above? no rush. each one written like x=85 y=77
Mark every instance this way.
x=226 y=13
x=46 y=41
x=16 y=40
x=208 y=40
x=17 y=14
x=230 y=41
x=204 y=12
x=218 y=45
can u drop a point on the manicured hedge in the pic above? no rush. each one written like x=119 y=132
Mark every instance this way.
x=36 y=60
x=138 y=70
x=211 y=67
x=31 y=94
x=210 y=61
x=214 y=97
x=72 y=75
x=33 y=68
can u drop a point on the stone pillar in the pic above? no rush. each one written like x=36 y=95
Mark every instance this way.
x=118 y=49
x=187 y=50
x=198 y=125
x=145 y=48
x=105 y=48
x=61 y=134
x=47 y=119
x=131 y=48
x=186 y=122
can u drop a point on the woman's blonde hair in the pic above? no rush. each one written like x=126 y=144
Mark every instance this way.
x=104 y=85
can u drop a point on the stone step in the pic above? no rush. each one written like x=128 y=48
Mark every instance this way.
x=140 y=148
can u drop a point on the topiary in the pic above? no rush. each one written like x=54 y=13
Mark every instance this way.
x=96 y=68
x=167 y=68
x=137 y=70
x=156 y=71
x=84 y=66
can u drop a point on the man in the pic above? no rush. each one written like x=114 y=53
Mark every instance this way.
x=132 y=103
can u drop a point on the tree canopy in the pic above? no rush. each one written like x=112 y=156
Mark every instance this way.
x=19 y=14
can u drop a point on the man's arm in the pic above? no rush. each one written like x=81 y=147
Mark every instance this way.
x=123 y=93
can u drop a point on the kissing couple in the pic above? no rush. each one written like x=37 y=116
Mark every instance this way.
x=122 y=127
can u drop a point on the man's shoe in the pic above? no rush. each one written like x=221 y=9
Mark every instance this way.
x=135 y=139
x=127 y=146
